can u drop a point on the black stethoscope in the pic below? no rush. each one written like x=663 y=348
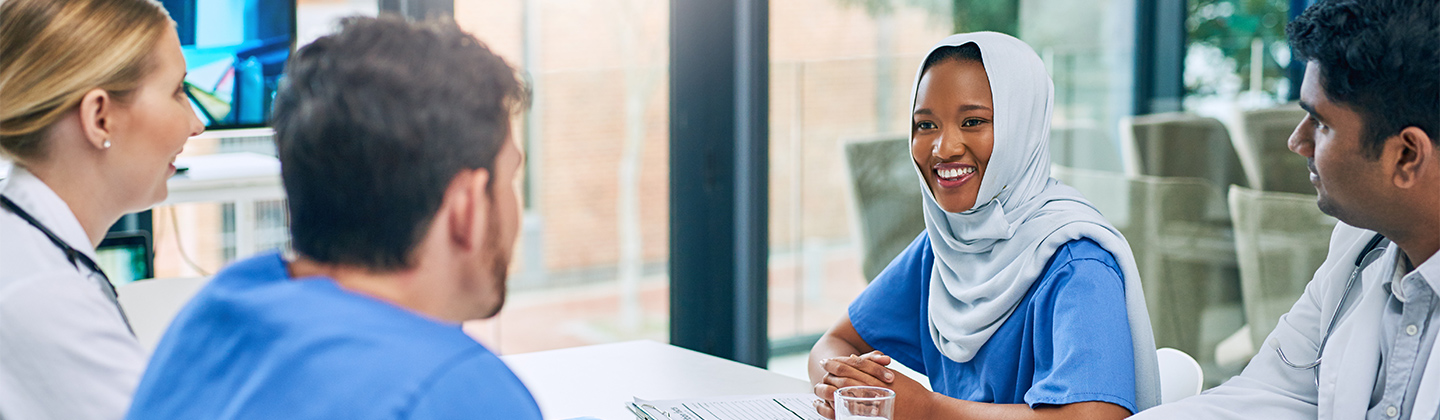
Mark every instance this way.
x=76 y=258
x=1367 y=256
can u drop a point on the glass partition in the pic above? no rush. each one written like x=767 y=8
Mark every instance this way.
x=591 y=263
x=840 y=80
x=840 y=74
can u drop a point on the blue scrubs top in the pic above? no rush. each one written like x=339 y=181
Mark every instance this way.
x=1068 y=341
x=256 y=344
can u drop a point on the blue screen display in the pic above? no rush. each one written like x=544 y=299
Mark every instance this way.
x=122 y=264
x=235 y=52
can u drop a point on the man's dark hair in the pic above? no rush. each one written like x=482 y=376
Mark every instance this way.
x=965 y=52
x=374 y=122
x=1381 y=58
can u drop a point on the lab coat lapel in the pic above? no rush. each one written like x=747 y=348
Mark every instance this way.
x=1352 y=359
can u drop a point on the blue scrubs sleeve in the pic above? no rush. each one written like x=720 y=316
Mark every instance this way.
x=887 y=313
x=1081 y=324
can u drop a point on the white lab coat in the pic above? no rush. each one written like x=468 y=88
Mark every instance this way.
x=65 y=352
x=1270 y=389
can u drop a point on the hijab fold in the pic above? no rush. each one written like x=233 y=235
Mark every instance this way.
x=986 y=258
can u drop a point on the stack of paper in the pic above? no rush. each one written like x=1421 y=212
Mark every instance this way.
x=746 y=407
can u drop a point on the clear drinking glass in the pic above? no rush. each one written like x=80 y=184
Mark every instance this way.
x=864 y=403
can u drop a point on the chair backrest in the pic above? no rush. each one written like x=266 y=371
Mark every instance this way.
x=152 y=304
x=1180 y=376
x=1180 y=145
x=1264 y=147
x=1280 y=240
x=885 y=195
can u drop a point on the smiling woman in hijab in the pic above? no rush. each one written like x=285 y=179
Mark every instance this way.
x=1019 y=300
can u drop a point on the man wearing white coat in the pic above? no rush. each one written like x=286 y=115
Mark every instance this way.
x=1360 y=342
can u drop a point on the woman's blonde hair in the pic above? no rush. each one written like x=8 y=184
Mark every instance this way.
x=52 y=52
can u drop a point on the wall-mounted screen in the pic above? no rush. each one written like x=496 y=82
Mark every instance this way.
x=235 y=52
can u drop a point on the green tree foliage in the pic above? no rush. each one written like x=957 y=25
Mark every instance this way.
x=1232 y=26
x=987 y=15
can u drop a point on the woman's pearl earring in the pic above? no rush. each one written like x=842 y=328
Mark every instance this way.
x=105 y=145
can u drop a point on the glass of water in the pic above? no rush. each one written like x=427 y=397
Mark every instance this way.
x=864 y=403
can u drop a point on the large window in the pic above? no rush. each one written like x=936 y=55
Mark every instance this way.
x=1236 y=56
x=592 y=260
x=840 y=72
x=841 y=75
x=590 y=266
x=199 y=238
x=1089 y=49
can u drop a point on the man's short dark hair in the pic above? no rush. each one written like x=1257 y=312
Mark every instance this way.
x=1378 y=57
x=374 y=122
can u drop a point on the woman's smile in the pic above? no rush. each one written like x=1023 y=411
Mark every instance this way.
x=953 y=174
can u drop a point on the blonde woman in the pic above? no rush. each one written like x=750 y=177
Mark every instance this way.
x=92 y=113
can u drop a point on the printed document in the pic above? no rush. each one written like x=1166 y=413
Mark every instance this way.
x=745 y=407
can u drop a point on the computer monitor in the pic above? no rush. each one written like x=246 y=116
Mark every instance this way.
x=235 y=53
x=126 y=256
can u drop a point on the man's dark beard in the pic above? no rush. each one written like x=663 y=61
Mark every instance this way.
x=500 y=259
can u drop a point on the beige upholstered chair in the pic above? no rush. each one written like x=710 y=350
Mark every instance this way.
x=885 y=196
x=1263 y=146
x=1280 y=239
x=1180 y=145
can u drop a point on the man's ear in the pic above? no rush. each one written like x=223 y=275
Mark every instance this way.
x=97 y=109
x=468 y=207
x=1414 y=155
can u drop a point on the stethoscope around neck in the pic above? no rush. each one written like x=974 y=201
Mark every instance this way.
x=73 y=255
x=1369 y=254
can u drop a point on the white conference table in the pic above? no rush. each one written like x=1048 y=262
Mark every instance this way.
x=151 y=304
x=597 y=381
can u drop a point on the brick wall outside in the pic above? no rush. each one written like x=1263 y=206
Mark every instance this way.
x=825 y=81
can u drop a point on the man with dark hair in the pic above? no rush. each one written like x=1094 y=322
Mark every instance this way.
x=1360 y=343
x=395 y=147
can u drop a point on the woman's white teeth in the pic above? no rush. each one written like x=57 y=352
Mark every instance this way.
x=955 y=172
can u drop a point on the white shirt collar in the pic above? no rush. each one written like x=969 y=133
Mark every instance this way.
x=1428 y=272
x=32 y=195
